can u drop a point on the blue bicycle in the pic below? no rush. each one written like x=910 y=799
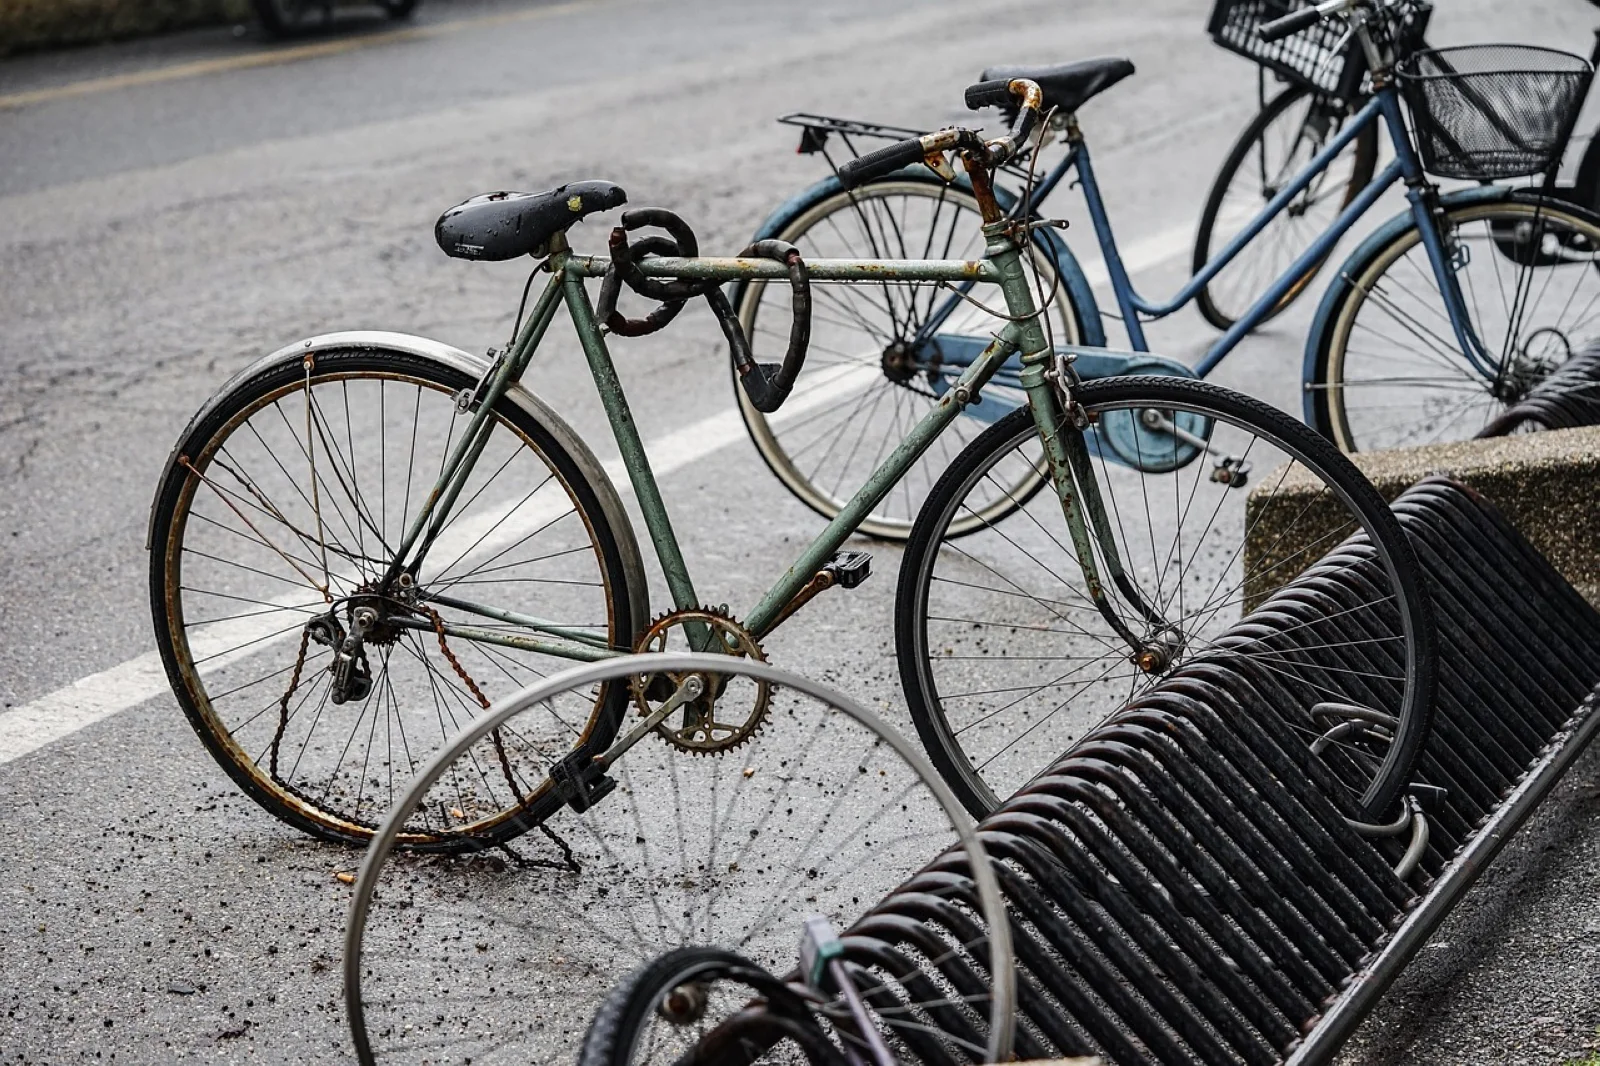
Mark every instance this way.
x=1445 y=314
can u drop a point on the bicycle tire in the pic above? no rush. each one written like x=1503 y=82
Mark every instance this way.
x=1363 y=164
x=966 y=767
x=613 y=1036
x=892 y=518
x=1385 y=344
x=173 y=596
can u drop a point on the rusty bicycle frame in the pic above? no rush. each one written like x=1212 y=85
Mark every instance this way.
x=1047 y=377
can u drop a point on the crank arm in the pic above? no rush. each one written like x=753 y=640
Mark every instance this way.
x=1159 y=422
x=691 y=689
x=1229 y=470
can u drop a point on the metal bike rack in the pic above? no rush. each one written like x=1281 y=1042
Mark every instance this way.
x=1184 y=885
x=1566 y=399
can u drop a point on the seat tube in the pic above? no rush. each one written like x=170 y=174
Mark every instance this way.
x=631 y=448
x=1121 y=284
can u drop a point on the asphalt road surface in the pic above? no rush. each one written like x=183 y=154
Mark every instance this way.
x=172 y=209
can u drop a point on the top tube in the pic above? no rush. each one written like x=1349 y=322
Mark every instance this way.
x=732 y=268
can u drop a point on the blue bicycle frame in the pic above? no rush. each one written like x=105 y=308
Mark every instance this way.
x=956 y=351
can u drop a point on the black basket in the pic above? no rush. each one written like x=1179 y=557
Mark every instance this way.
x=1321 y=58
x=1491 y=111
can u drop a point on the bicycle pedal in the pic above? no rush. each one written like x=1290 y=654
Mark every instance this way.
x=578 y=782
x=849 y=568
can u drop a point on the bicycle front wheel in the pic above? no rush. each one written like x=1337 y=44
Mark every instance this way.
x=1285 y=136
x=868 y=378
x=1006 y=659
x=272 y=531
x=1390 y=371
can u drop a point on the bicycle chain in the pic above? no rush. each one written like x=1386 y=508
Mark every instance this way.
x=569 y=861
x=283 y=706
x=477 y=693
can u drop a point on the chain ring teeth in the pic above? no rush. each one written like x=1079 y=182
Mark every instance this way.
x=723 y=623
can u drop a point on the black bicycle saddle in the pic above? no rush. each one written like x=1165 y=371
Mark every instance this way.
x=504 y=225
x=1068 y=86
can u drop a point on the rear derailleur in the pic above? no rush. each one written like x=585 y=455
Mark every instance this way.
x=352 y=676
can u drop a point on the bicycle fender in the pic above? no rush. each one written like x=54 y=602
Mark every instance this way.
x=1048 y=241
x=474 y=366
x=1340 y=288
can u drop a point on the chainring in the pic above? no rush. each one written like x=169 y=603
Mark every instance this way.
x=695 y=727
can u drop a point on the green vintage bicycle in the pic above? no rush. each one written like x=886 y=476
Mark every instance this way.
x=364 y=536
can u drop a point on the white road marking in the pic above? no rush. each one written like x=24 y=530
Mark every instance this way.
x=122 y=687
x=99 y=696
x=1148 y=253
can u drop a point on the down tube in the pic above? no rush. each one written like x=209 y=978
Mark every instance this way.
x=950 y=406
x=1319 y=250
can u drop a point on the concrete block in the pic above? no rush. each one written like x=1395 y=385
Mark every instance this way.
x=1546 y=484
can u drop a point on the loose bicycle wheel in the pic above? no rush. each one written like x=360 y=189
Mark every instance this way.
x=1277 y=144
x=1006 y=660
x=816 y=808
x=710 y=1003
x=868 y=378
x=272 y=530
x=1389 y=370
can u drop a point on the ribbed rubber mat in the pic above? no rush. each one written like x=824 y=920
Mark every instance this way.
x=1183 y=883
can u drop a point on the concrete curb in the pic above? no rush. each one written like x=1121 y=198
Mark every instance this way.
x=27 y=25
x=1546 y=484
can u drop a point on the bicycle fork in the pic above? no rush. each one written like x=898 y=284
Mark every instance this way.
x=1050 y=380
x=1062 y=423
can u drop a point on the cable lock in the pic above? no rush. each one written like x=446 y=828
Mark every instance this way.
x=766 y=384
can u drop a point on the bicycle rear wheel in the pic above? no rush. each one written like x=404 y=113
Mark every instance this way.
x=272 y=528
x=1286 y=135
x=868 y=379
x=1006 y=661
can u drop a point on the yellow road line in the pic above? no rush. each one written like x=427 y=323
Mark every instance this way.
x=200 y=68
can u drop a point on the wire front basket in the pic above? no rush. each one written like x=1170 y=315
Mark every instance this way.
x=1492 y=111
x=1324 y=58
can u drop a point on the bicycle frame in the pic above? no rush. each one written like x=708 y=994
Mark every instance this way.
x=1135 y=309
x=1065 y=447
